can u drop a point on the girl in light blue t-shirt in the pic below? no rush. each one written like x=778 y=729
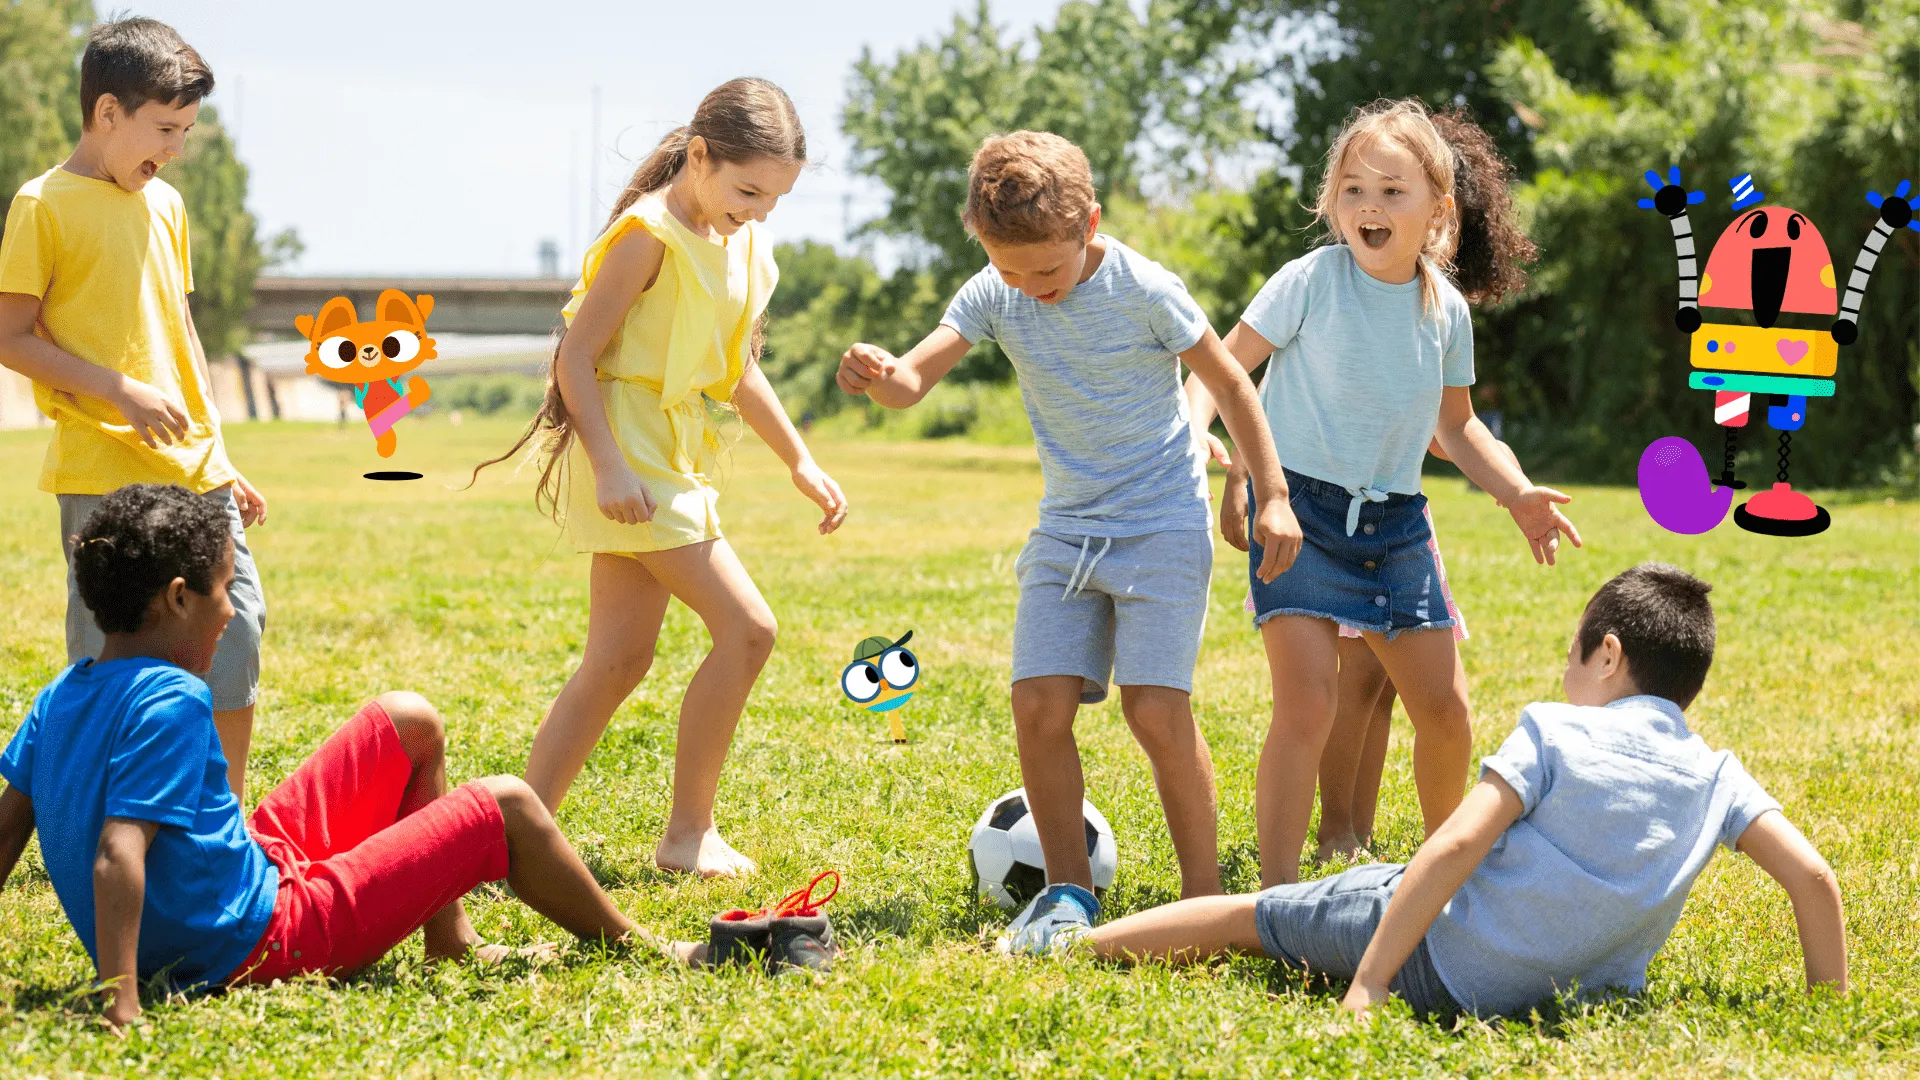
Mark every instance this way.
x=1372 y=349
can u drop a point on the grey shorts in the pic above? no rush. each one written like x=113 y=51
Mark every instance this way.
x=235 y=676
x=1324 y=926
x=1128 y=608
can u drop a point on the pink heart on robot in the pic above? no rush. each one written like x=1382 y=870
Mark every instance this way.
x=1791 y=352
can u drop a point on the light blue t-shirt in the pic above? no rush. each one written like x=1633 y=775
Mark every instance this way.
x=134 y=738
x=1353 y=392
x=1623 y=808
x=1101 y=381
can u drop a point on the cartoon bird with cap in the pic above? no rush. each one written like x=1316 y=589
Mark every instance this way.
x=881 y=678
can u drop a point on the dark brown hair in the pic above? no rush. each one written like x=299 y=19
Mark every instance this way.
x=1665 y=625
x=1028 y=187
x=741 y=120
x=136 y=542
x=1489 y=261
x=138 y=61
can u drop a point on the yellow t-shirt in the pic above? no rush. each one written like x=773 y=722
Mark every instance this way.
x=112 y=273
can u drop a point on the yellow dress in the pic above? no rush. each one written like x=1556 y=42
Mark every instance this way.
x=684 y=340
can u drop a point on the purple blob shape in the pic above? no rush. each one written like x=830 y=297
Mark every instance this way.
x=1675 y=488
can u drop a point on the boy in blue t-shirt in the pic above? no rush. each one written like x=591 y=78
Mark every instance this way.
x=119 y=767
x=1566 y=867
x=1114 y=581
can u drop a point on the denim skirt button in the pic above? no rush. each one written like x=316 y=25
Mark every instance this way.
x=1367 y=528
x=1379 y=601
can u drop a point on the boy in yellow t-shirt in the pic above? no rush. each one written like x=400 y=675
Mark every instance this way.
x=94 y=277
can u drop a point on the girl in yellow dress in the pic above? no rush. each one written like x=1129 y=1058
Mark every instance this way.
x=667 y=314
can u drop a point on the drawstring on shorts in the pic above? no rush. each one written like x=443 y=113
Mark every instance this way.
x=1076 y=582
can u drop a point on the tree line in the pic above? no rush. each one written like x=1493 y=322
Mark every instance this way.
x=1816 y=99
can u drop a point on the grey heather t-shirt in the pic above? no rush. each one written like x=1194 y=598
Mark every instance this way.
x=1101 y=382
x=1623 y=808
x=1353 y=391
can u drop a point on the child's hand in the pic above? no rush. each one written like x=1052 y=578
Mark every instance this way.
x=862 y=366
x=1361 y=998
x=1217 y=450
x=1278 y=532
x=622 y=496
x=1536 y=511
x=1233 y=510
x=251 y=504
x=123 y=1005
x=152 y=414
x=818 y=486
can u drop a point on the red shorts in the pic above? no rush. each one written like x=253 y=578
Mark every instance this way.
x=356 y=878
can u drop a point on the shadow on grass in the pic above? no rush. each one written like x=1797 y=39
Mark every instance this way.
x=69 y=997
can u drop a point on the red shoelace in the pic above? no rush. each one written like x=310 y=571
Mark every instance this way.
x=799 y=902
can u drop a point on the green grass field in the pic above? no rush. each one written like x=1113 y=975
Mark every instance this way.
x=472 y=598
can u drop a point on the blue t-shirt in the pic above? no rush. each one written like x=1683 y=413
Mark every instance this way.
x=1100 y=377
x=1353 y=392
x=1623 y=808
x=134 y=738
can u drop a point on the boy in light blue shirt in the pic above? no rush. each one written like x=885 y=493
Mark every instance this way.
x=1566 y=867
x=1114 y=581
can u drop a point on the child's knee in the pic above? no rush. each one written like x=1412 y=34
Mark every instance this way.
x=516 y=799
x=1445 y=715
x=1043 y=709
x=752 y=634
x=1160 y=722
x=418 y=724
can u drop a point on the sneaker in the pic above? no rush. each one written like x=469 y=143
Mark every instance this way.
x=739 y=937
x=801 y=943
x=1058 y=917
x=791 y=934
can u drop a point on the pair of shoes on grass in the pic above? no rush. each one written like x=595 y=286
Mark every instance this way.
x=1055 y=922
x=792 y=935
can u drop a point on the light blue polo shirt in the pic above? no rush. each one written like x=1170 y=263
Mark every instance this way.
x=1100 y=377
x=1623 y=807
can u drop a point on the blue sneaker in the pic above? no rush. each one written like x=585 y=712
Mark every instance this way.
x=1059 y=916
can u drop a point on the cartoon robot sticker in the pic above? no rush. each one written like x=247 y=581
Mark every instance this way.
x=1770 y=260
x=373 y=357
x=881 y=678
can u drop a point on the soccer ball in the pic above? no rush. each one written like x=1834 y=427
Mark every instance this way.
x=1004 y=851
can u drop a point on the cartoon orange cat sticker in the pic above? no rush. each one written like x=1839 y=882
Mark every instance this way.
x=373 y=356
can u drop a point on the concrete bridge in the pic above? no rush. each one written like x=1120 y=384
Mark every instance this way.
x=460 y=305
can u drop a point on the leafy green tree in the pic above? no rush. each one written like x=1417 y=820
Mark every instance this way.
x=1819 y=109
x=40 y=43
x=1586 y=365
x=1142 y=97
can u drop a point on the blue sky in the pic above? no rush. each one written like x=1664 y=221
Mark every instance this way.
x=436 y=138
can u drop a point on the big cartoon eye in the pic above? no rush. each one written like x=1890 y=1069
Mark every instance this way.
x=401 y=346
x=899 y=668
x=861 y=681
x=336 y=352
x=1793 y=227
x=1759 y=227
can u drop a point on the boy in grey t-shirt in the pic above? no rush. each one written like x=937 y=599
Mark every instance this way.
x=1114 y=581
x=1566 y=867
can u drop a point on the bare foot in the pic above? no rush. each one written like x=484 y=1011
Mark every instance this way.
x=706 y=855
x=1344 y=845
